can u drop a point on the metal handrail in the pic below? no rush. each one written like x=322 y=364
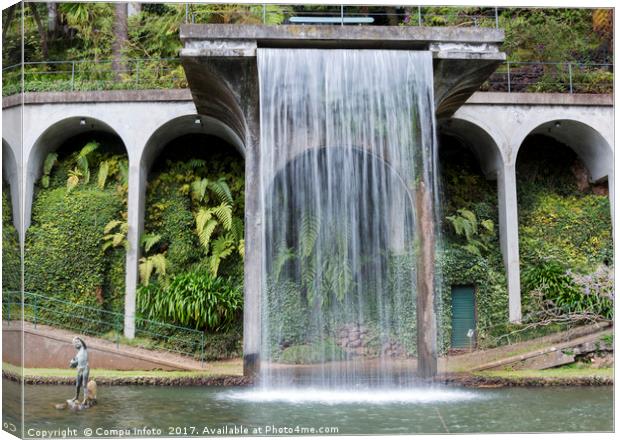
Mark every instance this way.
x=341 y=11
x=506 y=76
x=33 y=307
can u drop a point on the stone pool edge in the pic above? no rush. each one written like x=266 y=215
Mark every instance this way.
x=464 y=380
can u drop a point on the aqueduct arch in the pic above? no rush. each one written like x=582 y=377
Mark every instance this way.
x=188 y=124
x=590 y=145
x=489 y=147
x=54 y=136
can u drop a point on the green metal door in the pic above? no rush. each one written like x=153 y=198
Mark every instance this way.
x=463 y=315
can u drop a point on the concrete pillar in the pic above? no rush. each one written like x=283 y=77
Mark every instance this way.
x=13 y=176
x=509 y=236
x=427 y=322
x=610 y=185
x=253 y=261
x=135 y=222
x=29 y=180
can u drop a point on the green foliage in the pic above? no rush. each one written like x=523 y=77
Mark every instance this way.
x=549 y=277
x=115 y=234
x=11 y=255
x=156 y=263
x=75 y=245
x=574 y=229
x=194 y=299
x=531 y=34
x=486 y=274
x=558 y=220
x=149 y=240
x=287 y=314
x=50 y=160
x=326 y=350
x=549 y=34
x=562 y=229
x=93 y=22
x=64 y=258
x=478 y=239
x=194 y=222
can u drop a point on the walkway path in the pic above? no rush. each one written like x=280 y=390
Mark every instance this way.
x=48 y=336
x=509 y=354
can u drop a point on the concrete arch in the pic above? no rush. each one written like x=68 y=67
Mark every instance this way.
x=187 y=124
x=481 y=140
x=586 y=141
x=11 y=175
x=139 y=166
x=358 y=150
x=487 y=145
x=50 y=140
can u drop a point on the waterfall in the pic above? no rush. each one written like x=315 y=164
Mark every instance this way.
x=347 y=159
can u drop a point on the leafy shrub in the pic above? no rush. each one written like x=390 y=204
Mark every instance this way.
x=596 y=292
x=549 y=277
x=64 y=257
x=194 y=299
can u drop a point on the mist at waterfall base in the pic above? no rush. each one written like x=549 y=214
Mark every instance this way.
x=347 y=138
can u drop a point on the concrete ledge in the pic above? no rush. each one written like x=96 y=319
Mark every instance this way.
x=341 y=36
x=170 y=95
x=576 y=99
x=163 y=95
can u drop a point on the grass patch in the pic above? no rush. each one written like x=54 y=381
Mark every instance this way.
x=560 y=372
x=228 y=368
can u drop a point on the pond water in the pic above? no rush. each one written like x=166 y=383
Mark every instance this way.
x=202 y=411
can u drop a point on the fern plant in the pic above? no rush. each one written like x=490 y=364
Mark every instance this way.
x=478 y=236
x=115 y=234
x=219 y=233
x=156 y=263
x=323 y=281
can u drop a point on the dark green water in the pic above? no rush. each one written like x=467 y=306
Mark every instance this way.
x=189 y=410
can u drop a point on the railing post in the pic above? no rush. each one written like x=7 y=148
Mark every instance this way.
x=341 y=15
x=72 y=75
x=419 y=15
x=570 y=78
x=137 y=72
x=186 y=13
x=508 y=73
x=8 y=294
x=264 y=13
x=117 y=331
x=35 y=311
x=496 y=18
x=202 y=349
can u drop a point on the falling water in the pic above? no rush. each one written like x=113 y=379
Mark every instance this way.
x=347 y=144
